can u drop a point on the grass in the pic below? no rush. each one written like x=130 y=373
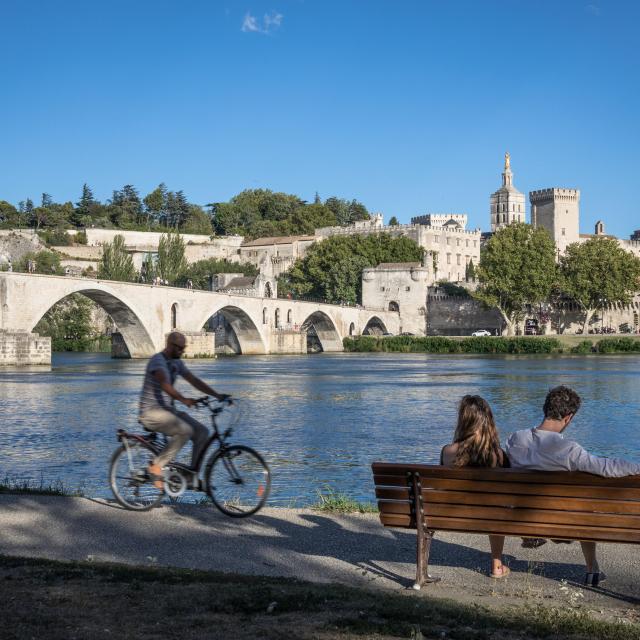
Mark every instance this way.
x=57 y=600
x=332 y=501
x=51 y=488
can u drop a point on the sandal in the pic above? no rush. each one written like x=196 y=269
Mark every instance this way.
x=155 y=474
x=504 y=572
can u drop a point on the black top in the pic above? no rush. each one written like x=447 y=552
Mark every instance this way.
x=505 y=459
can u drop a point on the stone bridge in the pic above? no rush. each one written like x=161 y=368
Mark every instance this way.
x=144 y=313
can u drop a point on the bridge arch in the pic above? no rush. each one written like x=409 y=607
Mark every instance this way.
x=134 y=333
x=322 y=334
x=374 y=327
x=246 y=337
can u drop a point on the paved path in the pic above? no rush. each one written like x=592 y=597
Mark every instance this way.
x=309 y=545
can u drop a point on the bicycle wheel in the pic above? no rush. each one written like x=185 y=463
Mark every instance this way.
x=129 y=478
x=238 y=481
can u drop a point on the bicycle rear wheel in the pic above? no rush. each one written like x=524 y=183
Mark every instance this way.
x=238 y=481
x=129 y=477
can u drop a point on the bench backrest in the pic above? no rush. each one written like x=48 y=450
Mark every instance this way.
x=563 y=505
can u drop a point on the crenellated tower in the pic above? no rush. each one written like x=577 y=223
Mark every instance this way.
x=507 y=204
x=558 y=211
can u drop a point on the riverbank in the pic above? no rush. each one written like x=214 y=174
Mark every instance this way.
x=526 y=345
x=325 y=572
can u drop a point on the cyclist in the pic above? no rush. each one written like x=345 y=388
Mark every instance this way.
x=157 y=412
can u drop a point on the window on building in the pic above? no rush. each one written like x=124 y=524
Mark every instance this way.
x=563 y=232
x=174 y=315
x=381 y=288
x=475 y=243
x=457 y=242
x=264 y=316
x=448 y=258
x=408 y=289
x=436 y=239
x=467 y=242
x=458 y=258
x=448 y=240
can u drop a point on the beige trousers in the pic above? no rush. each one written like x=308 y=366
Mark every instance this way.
x=181 y=427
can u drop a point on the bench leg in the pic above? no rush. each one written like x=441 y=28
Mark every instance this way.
x=423 y=549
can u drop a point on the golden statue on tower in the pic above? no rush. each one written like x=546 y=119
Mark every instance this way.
x=507 y=161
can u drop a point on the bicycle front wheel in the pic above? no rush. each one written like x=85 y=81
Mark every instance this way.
x=129 y=477
x=238 y=481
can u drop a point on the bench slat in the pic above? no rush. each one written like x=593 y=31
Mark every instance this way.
x=598 y=534
x=530 y=516
x=558 y=532
x=520 y=501
x=507 y=514
x=482 y=486
x=504 y=475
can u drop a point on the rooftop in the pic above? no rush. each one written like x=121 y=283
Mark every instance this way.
x=259 y=242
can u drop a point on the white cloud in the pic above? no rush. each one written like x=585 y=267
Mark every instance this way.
x=593 y=9
x=250 y=23
x=269 y=23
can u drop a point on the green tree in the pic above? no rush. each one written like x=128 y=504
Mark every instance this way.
x=155 y=204
x=125 y=208
x=198 y=221
x=517 y=267
x=87 y=208
x=393 y=222
x=46 y=262
x=346 y=212
x=171 y=260
x=332 y=269
x=68 y=324
x=470 y=271
x=596 y=273
x=9 y=215
x=116 y=263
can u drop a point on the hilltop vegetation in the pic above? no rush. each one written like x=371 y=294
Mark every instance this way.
x=251 y=213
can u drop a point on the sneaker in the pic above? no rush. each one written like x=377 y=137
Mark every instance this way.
x=594 y=579
x=533 y=543
x=155 y=474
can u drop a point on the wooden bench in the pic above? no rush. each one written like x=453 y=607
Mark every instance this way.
x=509 y=502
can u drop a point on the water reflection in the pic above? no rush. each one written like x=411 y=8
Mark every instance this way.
x=320 y=420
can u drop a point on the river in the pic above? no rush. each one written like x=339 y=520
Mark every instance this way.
x=320 y=420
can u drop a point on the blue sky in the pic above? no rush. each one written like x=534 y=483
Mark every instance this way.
x=405 y=106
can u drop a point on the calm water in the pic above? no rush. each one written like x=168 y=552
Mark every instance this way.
x=319 y=420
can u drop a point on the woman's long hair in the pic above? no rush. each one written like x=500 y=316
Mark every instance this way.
x=476 y=435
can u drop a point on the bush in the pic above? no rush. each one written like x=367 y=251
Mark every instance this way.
x=56 y=237
x=80 y=237
x=438 y=344
x=618 y=345
x=586 y=346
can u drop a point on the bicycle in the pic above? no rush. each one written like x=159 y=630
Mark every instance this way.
x=235 y=477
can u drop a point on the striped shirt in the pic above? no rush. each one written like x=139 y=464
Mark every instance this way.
x=152 y=395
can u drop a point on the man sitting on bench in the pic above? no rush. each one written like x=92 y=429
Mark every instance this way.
x=545 y=449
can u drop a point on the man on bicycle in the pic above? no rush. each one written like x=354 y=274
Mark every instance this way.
x=157 y=412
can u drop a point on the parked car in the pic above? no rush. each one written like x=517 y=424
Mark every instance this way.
x=480 y=333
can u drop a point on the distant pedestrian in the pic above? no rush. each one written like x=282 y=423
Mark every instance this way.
x=189 y=284
x=10 y=266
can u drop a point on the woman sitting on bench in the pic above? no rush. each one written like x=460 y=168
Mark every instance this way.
x=476 y=444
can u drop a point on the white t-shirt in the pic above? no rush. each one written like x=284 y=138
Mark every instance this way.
x=549 y=451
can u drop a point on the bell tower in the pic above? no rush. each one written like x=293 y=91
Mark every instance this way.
x=507 y=204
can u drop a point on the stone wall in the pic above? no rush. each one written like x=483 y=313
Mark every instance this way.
x=459 y=316
x=24 y=349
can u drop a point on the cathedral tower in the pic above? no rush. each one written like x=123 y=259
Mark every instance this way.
x=507 y=203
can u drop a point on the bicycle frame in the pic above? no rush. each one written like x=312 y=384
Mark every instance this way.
x=149 y=442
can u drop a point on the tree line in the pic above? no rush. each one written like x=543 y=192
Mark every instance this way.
x=252 y=213
x=518 y=268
